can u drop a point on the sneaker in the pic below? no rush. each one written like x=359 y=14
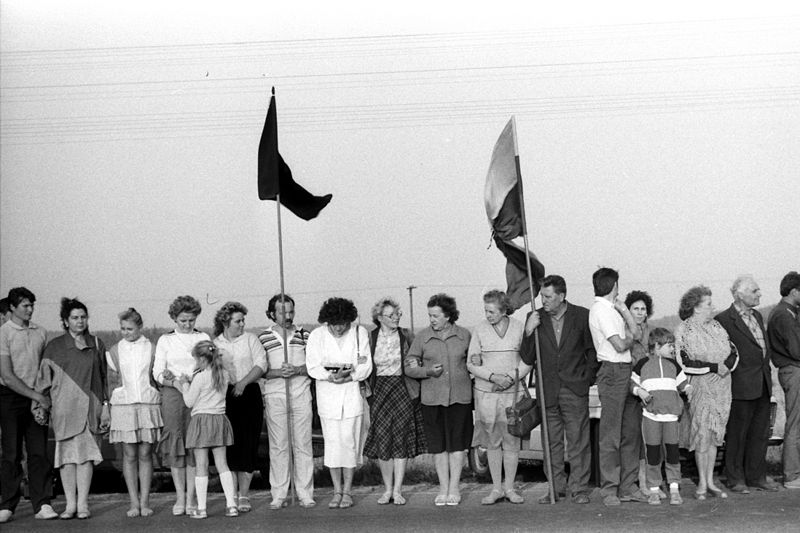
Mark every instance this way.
x=675 y=498
x=5 y=515
x=46 y=512
x=611 y=501
x=793 y=484
x=654 y=499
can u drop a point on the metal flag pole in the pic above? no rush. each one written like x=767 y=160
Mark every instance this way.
x=539 y=379
x=411 y=305
x=285 y=336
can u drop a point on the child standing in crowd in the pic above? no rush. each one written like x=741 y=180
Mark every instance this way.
x=656 y=380
x=135 y=408
x=209 y=427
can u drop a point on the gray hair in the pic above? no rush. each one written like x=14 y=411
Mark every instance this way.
x=744 y=279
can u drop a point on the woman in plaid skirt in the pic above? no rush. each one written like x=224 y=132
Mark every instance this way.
x=396 y=431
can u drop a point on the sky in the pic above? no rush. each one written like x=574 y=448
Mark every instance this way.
x=661 y=141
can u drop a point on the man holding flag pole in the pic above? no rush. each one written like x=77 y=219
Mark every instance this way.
x=275 y=183
x=505 y=208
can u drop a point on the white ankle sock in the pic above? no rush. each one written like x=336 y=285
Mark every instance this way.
x=201 y=487
x=226 y=479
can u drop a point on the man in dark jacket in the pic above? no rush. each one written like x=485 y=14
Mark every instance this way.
x=569 y=364
x=751 y=386
x=783 y=335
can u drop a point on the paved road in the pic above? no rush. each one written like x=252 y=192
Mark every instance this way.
x=760 y=512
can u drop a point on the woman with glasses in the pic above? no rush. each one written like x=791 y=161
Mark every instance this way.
x=396 y=431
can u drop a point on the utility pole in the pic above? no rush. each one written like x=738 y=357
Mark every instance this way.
x=411 y=304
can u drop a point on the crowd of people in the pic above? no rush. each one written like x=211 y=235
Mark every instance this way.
x=392 y=395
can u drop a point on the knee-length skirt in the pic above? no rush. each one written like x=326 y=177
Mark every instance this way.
x=396 y=429
x=83 y=447
x=246 y=415
x=176 y=416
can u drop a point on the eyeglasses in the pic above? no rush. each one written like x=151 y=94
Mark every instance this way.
x=394 y=316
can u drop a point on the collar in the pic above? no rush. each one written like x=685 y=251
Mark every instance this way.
x=744 y=311
x=603 y=300
x=455 y=331
x=140 y=340
x=563 y=312
x=30 y=325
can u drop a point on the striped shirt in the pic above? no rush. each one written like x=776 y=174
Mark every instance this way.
x=273 y=344
x=662 y=378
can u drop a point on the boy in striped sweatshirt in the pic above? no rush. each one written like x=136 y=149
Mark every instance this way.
x=657 y=380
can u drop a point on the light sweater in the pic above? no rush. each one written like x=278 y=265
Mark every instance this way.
x=201 y=395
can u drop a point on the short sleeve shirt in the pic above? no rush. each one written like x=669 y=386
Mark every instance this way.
x=605 y=322
x=24 y=345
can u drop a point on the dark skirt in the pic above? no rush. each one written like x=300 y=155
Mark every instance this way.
x=176 y=416
x=396 y=428
x=448 y=428
x=246 y=414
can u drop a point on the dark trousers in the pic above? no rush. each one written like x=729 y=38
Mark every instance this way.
x=620 y=430
x=571 y=417
x=746 y=441
x=16 y=424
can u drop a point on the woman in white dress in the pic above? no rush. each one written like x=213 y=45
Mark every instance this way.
x=338 y=358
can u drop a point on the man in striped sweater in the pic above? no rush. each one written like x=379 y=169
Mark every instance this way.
x=657 y=380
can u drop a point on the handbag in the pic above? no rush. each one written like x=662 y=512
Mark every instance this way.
x=524 y=415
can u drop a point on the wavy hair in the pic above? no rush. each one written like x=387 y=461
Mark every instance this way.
x=223 y=317
x=208 y=351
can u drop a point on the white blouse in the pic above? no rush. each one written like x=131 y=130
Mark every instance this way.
x=240 y=355
x=174 y=353
x=134 y=370
x=338 y=401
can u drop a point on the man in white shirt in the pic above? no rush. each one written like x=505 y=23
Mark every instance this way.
x=620 y=435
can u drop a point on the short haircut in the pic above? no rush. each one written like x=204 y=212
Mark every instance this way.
x=275 y=300
x=184 y=304
x=377 y=309
x=557 y=282
x=337 y=311
x=660 y=337
x=500 y=299
x=690 y=299
x=447 y=304
x=4 y=306
x=603 y=281
x=131 y=315
x=640 y=296
x=790 y=281
x=223 y=317
x=67 y=306
x=17 y=294
x=739 y=281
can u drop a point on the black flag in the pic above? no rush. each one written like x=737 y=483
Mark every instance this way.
x=275 y=176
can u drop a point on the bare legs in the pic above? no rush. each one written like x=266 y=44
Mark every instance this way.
x=393 y=471
x=499 y=460
x=76 y=480
x=137 y=468
x=448 y=468
x=705 y=469
x=183 y=478
x=242 y=483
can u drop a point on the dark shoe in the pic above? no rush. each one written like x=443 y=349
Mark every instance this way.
x=545 y=500
x=766 y=485
x=580 y=498
x=739 y=488
x=611 y=501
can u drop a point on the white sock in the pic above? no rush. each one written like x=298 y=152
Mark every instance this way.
x=673 y=487
x=226 y=479
x=201 y=488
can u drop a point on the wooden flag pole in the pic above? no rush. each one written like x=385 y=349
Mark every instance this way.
x=539 y=379
x=286 y=340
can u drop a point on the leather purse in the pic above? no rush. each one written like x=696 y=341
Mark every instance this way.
x=524 y=415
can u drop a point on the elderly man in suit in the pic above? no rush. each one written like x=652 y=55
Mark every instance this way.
x=569 y=364
x=751 y=386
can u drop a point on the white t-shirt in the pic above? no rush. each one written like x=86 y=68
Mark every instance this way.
x=605 y=322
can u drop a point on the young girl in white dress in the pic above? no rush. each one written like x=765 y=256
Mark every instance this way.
x=135 y=408
x=209 y=428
